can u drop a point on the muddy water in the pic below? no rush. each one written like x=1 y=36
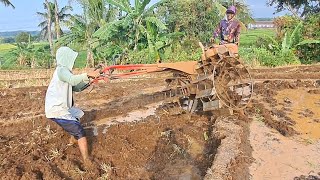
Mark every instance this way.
x=303 y=109
x=133 y=116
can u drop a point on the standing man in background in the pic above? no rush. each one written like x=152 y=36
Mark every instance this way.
x=228 y=30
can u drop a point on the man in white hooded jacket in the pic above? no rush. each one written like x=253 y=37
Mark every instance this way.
x=59 y=100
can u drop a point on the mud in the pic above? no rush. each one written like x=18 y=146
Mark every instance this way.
x=290 y=72
x=133 y=135
x=280 y=104
x=166 y=143
x=308 y=177
x=160 y=146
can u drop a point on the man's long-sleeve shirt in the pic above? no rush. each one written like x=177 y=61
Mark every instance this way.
x=228 y=31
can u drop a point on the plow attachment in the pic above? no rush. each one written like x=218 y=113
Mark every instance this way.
x=219 y=79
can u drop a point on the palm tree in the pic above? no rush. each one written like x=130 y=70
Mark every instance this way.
x=44 y=15
x=7 y=3
x=49 y=23
x=57 y=21
x=60 y=17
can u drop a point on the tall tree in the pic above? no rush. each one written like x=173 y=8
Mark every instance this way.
x=7 y=3
x=61 y=17
x=49 y=23
x=299 y=8
x=23 y=37
x=57 y=20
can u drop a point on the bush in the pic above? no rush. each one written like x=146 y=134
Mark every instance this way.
x=23 y=37
x=285 y=23
x=260 y=56
x=308 y=52
x=139 y=57
x=182 y=51
x=179 y=53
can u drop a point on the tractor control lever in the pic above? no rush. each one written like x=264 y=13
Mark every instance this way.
x=93 y=78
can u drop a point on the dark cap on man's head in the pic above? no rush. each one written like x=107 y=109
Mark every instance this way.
x=231 y=10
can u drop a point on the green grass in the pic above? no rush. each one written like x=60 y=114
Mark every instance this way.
x=249 y=38
x=6 y=47
x=6 y=56
x=81 y=60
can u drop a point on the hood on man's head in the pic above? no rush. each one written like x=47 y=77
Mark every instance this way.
x=65 y=56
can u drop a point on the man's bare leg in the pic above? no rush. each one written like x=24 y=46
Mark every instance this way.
x=88 y=163
x=83 y=146
x=72 y=141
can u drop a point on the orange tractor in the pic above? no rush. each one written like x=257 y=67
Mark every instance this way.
x=219 y=79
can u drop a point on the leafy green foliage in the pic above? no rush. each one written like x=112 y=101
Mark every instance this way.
x=115 y=31
x=290 y=50
x=63 y=18
x=26 y=55
x=309 y=51
x=23 y=37
x=263 y=57
x=297 y=7
x=193 y=18
x=312 y=26
x=288 y=43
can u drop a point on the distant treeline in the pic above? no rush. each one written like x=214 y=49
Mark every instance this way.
x=263 y=19
x=7 y=34
x=13 y=34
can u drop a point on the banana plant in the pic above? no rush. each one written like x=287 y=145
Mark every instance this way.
x=290 y=40
x=136 y=18
x=61 y=19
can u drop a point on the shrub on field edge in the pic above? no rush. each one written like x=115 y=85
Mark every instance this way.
x=266 y=58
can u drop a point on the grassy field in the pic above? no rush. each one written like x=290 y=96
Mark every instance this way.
x=6 y=47
x=5 y=55
x=249 y=38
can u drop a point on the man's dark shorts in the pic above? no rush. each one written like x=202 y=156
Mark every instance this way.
x=74 y=128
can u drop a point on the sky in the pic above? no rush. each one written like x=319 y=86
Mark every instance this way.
x=24 y=16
